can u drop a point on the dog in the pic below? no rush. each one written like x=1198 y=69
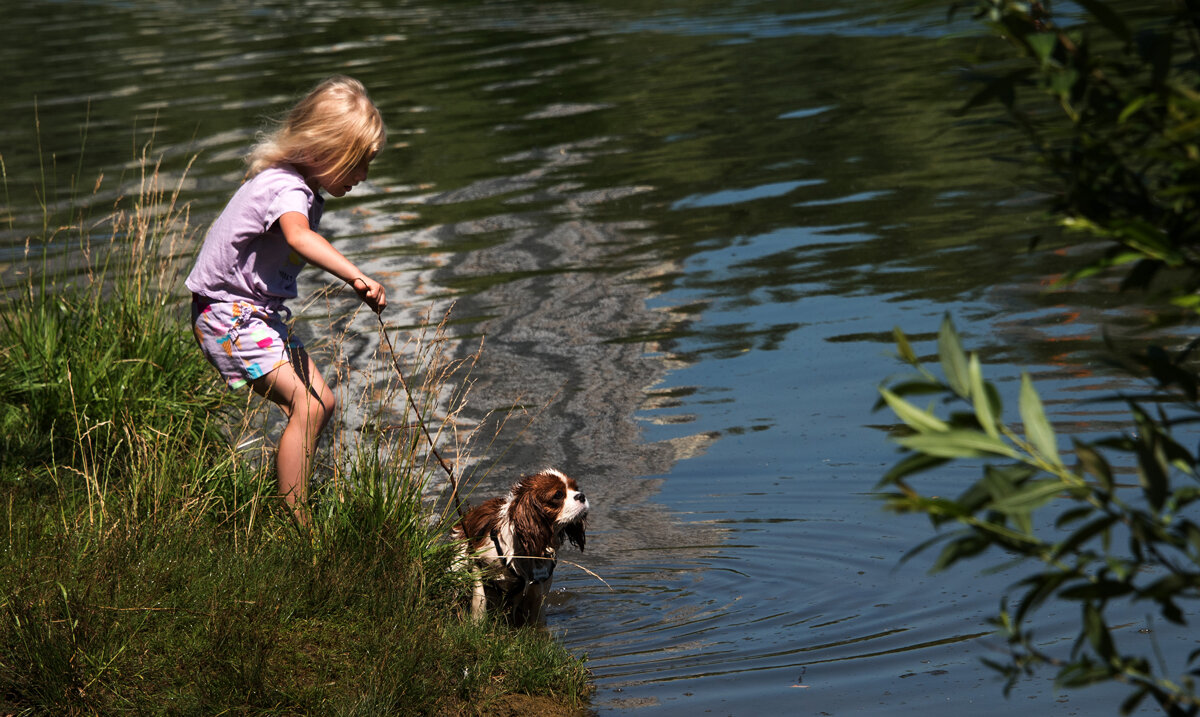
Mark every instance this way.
x=514 y=541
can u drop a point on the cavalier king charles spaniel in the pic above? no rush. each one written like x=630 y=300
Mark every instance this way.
x=515 y=540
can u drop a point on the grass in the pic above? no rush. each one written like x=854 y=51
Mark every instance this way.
x=145 y=566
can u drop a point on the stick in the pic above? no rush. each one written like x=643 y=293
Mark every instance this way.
x=560 y=560
x=421 y=421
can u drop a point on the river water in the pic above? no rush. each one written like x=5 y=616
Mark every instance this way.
x=685 y=231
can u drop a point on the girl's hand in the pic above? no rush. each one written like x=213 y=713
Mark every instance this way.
x=317 y=250
x=370 y=291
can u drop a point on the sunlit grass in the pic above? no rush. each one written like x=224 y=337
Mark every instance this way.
x=147 y=567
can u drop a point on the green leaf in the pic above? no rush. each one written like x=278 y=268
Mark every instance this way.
x=1084 y=534
x=1029 y=496
x=1094 y=464
x=1037 y=429
x=966 y=547
x=1132 y=108
x=1097 y=631
x=984 y=410
x=1029 y=543
x=954 y=360
x=1152 y=475
x=1193 y=534
x=913 y=417
x=1043 y=44
x=1148 y=239
x=904 y=348
x=1117 y=259
x=939 y=510
x=975 y=497
x=1171 y=586
x=1131 y=702
x=1073 y=515
x=1061 y=82
x=1082 y=674
x=1041 y=587
x=958 y=443
x=926 y=544
x=1187 y=301
x=1023 y=522
x=915 y=463
x=1004 y=481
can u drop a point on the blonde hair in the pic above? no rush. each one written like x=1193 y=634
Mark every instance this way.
x=330 y=131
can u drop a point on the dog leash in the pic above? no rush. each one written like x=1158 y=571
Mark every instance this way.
x=420 y=420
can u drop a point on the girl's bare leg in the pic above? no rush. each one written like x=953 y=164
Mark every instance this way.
x=308 y=404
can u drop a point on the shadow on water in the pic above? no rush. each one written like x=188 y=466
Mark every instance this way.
x=685 y=233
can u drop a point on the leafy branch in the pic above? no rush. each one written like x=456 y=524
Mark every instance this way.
x=1094 y=514
x=1123 y=153
x=1107 y=99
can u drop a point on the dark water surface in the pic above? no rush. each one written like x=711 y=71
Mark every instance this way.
x=686 y=230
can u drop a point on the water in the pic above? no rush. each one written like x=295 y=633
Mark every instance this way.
x=685 y=231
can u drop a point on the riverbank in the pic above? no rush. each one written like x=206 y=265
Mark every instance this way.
x=147 y=568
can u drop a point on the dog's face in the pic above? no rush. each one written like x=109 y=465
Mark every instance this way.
x=553 y=501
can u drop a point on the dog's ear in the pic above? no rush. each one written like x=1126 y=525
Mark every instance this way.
x=532 y=531
x=575 y=533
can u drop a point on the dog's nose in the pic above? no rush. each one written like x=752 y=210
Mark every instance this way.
x=581 y=497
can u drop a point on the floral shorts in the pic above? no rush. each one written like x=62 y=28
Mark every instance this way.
x=242 y=340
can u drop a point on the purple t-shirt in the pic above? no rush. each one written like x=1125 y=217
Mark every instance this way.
x=244 y=255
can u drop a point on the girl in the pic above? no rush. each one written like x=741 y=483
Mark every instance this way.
x=251 y=255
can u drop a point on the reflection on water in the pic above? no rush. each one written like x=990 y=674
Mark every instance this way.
x=685 y=233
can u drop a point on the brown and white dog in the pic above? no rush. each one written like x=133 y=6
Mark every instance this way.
x=514 y=541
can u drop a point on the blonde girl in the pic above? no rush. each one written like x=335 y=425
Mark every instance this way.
x=250 y=258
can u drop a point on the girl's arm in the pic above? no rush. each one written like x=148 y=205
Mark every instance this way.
x=317 y=250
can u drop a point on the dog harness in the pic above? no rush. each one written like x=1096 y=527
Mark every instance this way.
x=523 y=581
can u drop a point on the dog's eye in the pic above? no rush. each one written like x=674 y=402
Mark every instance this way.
x=559 y=495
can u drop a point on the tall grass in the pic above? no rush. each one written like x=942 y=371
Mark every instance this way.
x=95 y=375
x=145 y=568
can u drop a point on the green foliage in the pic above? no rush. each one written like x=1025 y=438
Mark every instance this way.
x=94 y=367
x=1107 y=99
x=1110 y=542
x=86 y=377
x=1124 y=152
